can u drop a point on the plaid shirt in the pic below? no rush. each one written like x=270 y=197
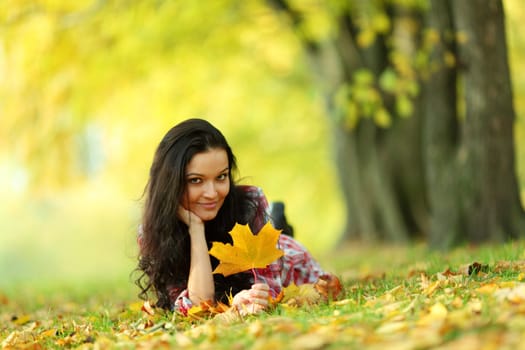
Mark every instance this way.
x=296 y=265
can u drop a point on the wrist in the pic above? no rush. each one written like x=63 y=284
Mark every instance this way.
x=196 y=230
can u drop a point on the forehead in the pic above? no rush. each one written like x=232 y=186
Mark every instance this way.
x=212 y=161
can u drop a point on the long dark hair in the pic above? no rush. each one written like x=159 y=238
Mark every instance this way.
x=164 y=259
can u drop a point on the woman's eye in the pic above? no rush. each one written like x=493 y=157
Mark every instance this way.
x=222 y=177
x=194 y=180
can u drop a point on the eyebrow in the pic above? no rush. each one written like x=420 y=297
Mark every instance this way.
x=197 y=174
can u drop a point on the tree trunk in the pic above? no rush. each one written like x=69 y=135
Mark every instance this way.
x=471 y=175
x=440 y=134
x=491 y=205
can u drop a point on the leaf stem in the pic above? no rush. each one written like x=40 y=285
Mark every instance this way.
x=254 y=275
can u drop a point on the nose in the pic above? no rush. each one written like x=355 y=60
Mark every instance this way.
x=209 y=190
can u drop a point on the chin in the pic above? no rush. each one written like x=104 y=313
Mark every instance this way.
x=208 y=216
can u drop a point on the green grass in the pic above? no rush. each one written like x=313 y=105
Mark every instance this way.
x=395 y=297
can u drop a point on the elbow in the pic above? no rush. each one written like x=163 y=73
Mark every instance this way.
x=199 y=297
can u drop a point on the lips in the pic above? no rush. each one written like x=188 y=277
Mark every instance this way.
x=208 y=206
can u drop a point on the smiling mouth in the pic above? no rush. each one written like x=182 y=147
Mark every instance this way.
x=209 y=205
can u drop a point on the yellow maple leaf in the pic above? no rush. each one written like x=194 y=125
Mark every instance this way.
x=248 y=251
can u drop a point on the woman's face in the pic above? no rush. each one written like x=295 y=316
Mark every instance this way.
x=207 y=183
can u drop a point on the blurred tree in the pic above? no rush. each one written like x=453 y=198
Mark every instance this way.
x=471 y=171
x=448 y=172
x=67 y=65
x=89 y=87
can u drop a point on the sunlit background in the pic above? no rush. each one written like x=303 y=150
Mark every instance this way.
x=88 y=91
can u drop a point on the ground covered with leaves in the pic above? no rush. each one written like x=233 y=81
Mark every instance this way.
x=394 y=297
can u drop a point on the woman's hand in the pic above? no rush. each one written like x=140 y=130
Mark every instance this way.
x=188 y=217
x=252 y=301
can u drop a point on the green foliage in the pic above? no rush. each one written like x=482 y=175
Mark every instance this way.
x=381 y=90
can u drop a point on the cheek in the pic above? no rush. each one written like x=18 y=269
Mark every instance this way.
x=224 y=190
x=185 y=200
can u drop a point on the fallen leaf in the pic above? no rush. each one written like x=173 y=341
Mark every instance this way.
x=436 y=315
x=501 y=266
x=392 y=327
x=515 y=295
x=344 y=302
x=447 y=273
x=147 y=308
x=21 y=320
x=248 y=251
x=3 y=299
x=431 y=288
x=329 y=287
x=488 y=288
x=256 y=328
x=475 y=268
x=309 y=342
x=304 y=294
x=49 y=333
x=274 y=301
x=229 y=316
x=136 y=306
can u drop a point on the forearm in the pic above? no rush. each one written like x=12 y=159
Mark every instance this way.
x=200 y=280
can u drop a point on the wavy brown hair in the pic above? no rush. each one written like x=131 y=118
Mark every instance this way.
x=164 y=258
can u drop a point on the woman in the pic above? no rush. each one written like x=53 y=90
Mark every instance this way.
x=192 y=201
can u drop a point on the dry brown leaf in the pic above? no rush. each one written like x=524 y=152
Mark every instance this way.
x=147 y=308
x=501 y=266
x=329 y=287
x=204 y=309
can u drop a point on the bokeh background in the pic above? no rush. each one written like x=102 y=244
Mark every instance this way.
x=89 y=89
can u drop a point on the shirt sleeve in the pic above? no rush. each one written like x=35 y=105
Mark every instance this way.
x=181 y=302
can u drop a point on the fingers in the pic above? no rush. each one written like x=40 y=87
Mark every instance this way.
x=184 y=215
x=260 y=293
x=252 y=301
x=243 y=297
x=187 y=216
x=261 y=286
x=251 y=296
x=259 y=297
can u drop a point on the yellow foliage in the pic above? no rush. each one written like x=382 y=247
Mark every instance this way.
x=381 y=22
x=366 y=37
